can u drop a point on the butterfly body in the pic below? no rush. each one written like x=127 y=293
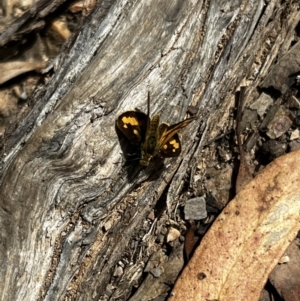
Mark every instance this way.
x=152 y=137
x=149 y=147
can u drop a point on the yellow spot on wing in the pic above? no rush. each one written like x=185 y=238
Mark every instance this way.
x=130 y=120
x=174 y=143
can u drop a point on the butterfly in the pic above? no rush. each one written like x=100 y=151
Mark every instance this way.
x=150 y=136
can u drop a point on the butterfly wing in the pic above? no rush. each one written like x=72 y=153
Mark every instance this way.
x=133 y=124
x=171 y=148
x=169 y=136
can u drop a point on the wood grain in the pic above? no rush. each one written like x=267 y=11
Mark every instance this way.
x=68 y=210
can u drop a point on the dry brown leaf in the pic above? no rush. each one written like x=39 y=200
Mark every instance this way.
x=190 y=239
x=12 y=69
x=246 y=241
x=59 y=26
x=86 y=6
x=76 y=7
x=8 y=107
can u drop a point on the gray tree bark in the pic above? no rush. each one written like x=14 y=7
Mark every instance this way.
x=73 y=218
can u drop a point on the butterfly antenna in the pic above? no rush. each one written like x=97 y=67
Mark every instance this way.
x=148 y=102
x=148 y=110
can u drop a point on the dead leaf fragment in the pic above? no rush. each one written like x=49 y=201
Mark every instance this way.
x=190 y=239
x=59 y=26
x=86 y=6
x=76 y=7
x=247 y=240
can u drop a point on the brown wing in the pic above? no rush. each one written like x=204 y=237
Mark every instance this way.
x=172 y=148
x=133 y=124
x=167 y=132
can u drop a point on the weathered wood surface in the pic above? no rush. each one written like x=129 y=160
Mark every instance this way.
x=68 y=211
